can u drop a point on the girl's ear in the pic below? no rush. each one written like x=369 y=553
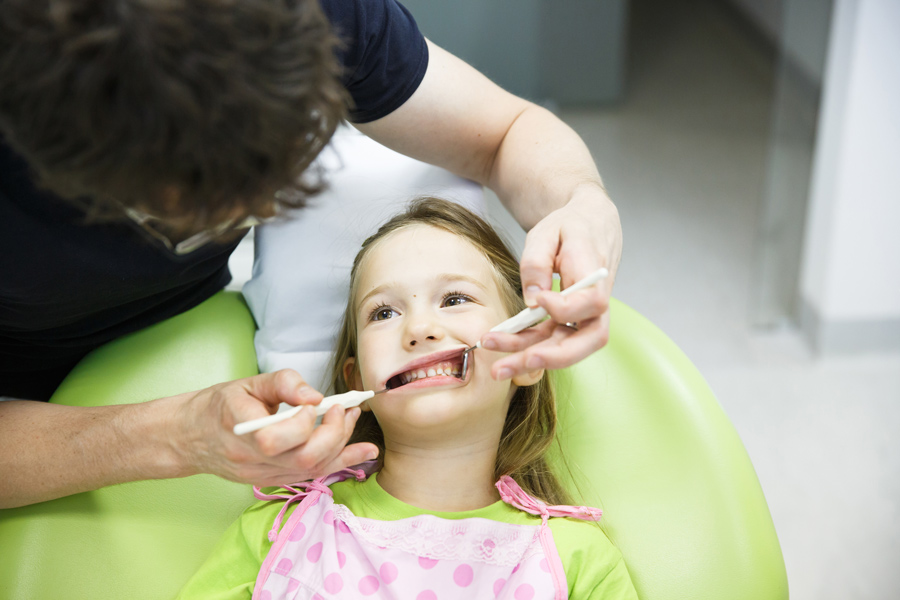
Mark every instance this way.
x=351 y=375
x=526 y=379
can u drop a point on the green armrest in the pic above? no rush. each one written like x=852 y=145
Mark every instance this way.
x=643 y=433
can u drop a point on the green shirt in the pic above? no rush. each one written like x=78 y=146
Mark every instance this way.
x=594 y=567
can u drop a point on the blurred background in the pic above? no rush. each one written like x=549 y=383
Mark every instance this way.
x=753 y=150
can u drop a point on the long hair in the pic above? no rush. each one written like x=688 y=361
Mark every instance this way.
x=530 y=423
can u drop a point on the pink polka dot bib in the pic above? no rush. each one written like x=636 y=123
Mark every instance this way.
x=325 y=552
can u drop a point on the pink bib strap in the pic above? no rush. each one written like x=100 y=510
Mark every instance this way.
x=299 y=491
x=512 y=494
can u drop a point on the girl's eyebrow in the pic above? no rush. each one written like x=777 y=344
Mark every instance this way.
x=451 y=277
x=442 y=278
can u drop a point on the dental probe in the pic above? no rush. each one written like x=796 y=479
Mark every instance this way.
x=532 y=316
x=347 y=400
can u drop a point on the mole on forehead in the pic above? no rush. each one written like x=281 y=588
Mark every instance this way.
x=415 y=231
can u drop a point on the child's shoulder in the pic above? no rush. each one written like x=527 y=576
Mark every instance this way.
x=587 y=554
x=258 y=518
x=576 y=535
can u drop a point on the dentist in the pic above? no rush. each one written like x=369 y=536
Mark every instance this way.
x=139 y=140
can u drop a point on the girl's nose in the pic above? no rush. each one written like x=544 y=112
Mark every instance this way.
x=422 y=328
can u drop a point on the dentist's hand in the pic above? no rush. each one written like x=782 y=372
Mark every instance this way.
x=574 y=241
x=290 y=451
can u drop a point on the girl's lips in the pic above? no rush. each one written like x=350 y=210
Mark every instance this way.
x=436 y=381
x=425 y=361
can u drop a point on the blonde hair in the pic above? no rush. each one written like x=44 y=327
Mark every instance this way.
x=531 y=419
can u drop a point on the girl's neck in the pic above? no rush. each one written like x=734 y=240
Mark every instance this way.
x=442 y=480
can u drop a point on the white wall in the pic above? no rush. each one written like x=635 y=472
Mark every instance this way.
x=851 y=268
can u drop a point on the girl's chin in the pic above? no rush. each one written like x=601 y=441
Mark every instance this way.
x=432 y=410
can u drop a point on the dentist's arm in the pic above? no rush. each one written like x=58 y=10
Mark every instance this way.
x=544 y=174
x=48 y=451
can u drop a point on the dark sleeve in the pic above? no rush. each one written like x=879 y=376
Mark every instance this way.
x=384 y=54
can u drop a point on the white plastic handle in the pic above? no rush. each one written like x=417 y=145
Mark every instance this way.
x=347 y=400
x=530 y=316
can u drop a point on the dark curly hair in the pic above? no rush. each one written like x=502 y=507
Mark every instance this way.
x=195 y=111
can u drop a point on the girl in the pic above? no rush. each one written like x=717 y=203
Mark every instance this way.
x=461 y=502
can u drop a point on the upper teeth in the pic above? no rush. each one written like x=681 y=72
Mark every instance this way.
x=445 y=368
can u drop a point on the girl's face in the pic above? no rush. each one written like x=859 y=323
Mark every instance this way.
x=424 y=295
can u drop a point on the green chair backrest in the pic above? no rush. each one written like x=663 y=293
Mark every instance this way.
x=642 y=432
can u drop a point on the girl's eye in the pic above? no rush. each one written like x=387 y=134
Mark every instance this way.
x=382 y=313
x=455 y=299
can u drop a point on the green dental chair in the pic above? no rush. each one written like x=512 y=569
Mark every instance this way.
x=648 y=441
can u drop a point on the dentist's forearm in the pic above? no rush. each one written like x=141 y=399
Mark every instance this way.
x=540 y=165
x=48 y=451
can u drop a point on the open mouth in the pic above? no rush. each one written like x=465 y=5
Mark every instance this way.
x=446 y=366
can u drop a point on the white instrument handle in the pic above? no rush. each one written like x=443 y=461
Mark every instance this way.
x=347 y=400
x=530 y=316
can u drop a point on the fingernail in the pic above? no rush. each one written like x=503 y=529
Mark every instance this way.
x=504 y=373
x=530 y=294
x=305 y=391
x=489 y=344
x=372 y=455
x=535 y=362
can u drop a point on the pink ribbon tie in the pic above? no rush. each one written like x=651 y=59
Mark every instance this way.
x=512 y=494
x=301 y=490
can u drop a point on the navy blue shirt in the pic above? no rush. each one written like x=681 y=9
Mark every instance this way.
x=67 y=287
